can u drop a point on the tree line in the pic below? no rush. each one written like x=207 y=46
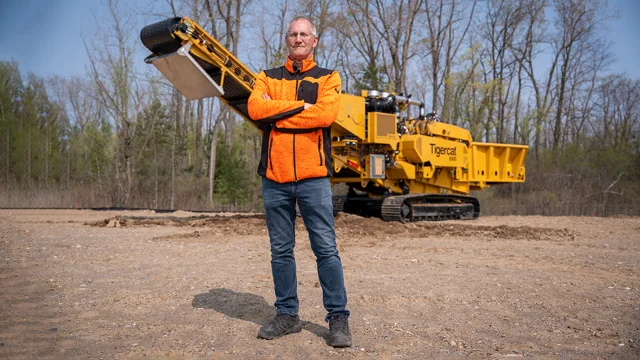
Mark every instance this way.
x=535 y=72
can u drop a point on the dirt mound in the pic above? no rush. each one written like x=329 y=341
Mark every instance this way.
x=352 y=226
x=200 y=220
x=349 y=228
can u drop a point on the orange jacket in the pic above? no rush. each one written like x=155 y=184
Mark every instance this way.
x=296 y=143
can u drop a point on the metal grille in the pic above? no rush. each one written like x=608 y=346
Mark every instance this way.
x=386 y=124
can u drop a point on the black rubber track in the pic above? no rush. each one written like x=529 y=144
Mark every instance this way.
x=394 y=207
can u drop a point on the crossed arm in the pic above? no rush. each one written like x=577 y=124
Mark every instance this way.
x=267 y=97
x=296 y=114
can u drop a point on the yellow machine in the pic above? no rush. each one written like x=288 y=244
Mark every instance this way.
x=397 y=167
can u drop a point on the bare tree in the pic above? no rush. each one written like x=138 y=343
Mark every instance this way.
x=321 y=13
x=592 y=58
x=577 y=22
x=272 y=24
x=502 y=20
x=619 y=106
x=111 y=68
x=394 y=22
x=360 y=45
x=526 y=53
x=470 y=94
x=447 y=24
x=226 y=31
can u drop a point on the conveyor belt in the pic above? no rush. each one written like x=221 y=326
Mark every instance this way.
x=167 y=36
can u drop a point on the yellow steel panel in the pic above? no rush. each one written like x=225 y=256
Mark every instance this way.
x=403 y=170
x=497 y=163
x=450 y=131
x=411 y=148
x=350 y=120
x=419 y=149
x=349 y=162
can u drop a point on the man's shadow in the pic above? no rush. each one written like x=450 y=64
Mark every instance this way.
x=247 y=307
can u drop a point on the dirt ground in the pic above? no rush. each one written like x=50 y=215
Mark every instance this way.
x=105 y=285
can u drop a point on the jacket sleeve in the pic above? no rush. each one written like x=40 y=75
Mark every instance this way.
x=323 y=113
x=270 y=111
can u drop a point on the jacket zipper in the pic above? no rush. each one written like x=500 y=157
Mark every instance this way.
x=270 y=147
x=319 y=151
x=295 y=172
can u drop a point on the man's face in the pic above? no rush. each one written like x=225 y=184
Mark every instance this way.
x=300 y=46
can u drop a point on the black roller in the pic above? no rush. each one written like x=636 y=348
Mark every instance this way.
x=157 y=37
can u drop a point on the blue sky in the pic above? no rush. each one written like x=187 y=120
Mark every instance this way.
x=45 y=36
x=625 y=35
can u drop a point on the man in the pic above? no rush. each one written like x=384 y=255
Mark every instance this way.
x=295 y=105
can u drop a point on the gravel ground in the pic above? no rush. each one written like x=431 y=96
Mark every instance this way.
x=104 y=285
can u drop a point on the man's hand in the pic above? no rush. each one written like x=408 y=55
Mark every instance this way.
x=267 y=97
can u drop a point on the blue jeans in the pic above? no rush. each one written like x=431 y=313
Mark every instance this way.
x=314 y=201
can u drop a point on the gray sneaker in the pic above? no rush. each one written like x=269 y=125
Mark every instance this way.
x=339 y=335
x=281 y=325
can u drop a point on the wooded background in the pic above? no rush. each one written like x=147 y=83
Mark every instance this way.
x=535 y=72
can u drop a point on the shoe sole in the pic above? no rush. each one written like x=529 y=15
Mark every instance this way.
x=294 y=329
x=340 y=340
x=344 y=345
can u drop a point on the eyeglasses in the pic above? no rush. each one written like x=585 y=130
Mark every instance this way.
x=304 y=35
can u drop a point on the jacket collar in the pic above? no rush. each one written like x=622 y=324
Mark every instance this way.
x=307 y=64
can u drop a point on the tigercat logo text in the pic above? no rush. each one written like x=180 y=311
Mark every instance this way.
x=443 y=150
